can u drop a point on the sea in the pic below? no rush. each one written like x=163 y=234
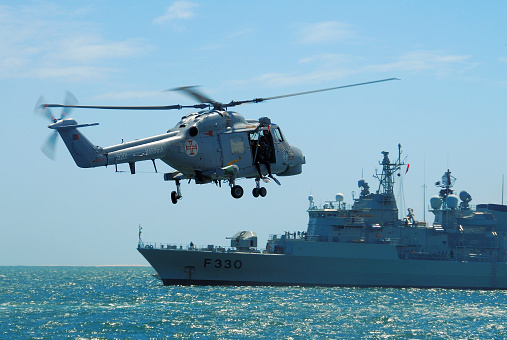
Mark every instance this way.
x=130 y=303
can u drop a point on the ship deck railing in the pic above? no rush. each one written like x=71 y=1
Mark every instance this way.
x=303 y=237
x=187 y=247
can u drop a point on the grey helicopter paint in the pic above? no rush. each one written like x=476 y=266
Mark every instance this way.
x=208 y=146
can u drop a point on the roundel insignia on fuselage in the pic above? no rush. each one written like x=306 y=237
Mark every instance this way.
x=191 y=147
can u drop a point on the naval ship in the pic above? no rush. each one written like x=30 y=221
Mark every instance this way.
x=362 y=245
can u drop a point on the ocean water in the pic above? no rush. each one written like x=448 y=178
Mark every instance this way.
x=129 y=303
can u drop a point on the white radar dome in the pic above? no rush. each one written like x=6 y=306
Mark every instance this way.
x=435 y=202
x=339 y=197
x=310 y=198
x=452 y=201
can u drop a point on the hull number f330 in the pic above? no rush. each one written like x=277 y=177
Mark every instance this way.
x=218 y=263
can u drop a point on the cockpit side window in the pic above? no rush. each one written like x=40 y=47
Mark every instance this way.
x=278 y=135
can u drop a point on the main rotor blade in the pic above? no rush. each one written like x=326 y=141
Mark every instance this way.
x=258 y=100
x=192 y=92
x=169 y=107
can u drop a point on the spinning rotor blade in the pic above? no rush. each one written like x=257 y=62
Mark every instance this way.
x=70 y=100
x=258 y=100
x=48 y=148
x=192 y=92
x=169 y=107
x=204 y=101
x=46 y=112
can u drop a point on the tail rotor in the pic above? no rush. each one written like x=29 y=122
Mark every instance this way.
x=48 y=148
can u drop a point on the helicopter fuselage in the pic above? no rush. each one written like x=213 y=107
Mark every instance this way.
x=209 y=145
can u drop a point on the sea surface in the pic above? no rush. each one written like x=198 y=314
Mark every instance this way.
x=129 y=303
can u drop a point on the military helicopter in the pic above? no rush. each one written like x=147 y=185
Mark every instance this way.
x=211 y=145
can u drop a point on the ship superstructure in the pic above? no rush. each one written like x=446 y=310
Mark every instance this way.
x=366 y=244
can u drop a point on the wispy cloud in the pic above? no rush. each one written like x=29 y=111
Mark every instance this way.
x=327 y=67
x=48 y=41
x=179 y=10
x=437 y=62
x=324 y=32
x=93 y=48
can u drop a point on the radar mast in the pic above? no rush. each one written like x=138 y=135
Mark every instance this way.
x=386 y=178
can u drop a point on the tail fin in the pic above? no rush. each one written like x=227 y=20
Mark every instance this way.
x=85 y=154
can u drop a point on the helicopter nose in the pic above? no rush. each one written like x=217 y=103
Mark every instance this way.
x=299 y=158
x=296 y=165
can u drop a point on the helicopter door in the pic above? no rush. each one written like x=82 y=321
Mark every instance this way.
x=262 y=147
x=235 y=149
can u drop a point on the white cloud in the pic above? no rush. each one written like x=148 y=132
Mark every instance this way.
x=314 y=77
x=178 y=10
x=92 y=48
x=46 y=40
x=324 y=32
x=427 y=60
x=327 y=67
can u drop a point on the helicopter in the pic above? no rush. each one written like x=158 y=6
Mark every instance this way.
x=210 y=145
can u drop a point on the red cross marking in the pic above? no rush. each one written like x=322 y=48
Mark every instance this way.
x=191 y=147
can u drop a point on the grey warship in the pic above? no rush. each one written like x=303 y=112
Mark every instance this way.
x=364 y=245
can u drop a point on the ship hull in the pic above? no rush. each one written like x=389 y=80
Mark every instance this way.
x=197 y=267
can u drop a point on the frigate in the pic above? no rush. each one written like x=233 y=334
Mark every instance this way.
x=363 y=245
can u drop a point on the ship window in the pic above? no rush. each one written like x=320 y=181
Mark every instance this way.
x=237 y=145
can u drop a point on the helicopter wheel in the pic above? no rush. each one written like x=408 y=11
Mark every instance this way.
x=237 y=191
x=263 y=192
x=174 y=197
x=255 y=192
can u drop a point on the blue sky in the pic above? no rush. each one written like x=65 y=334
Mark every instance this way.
x=448 y=111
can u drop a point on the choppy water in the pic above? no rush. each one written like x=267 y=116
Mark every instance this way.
x=128 y=303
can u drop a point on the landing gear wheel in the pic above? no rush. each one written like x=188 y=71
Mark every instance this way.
x=263 y=192
x=174 y=197
x=255 y=192
x=237 y=191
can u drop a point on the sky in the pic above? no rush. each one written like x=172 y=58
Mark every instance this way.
x=448 y=111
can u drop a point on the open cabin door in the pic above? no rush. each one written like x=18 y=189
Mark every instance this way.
x=262 y=147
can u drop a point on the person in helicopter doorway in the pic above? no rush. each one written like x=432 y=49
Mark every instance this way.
x=264 y=154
